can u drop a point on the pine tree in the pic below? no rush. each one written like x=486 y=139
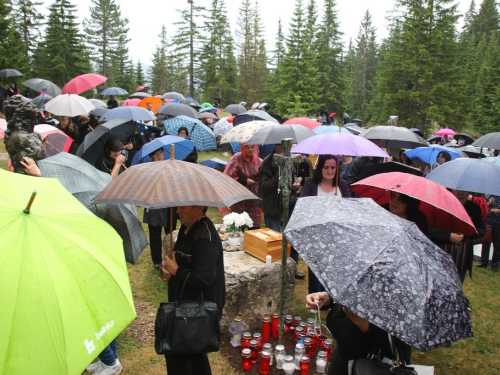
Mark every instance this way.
x=274 y=80
x=139 y=74
x=29 y=23
x=161 y=70
x=120 y=67
x=259 y=71
x=188 y=41
x=246 y=48
x=106 y=31
x=299 y=73
x=62 y=54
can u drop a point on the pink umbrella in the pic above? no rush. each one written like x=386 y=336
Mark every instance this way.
x=307 y=122
x=3 y=127
x=446 y=131
x=83 y=83
x=131 y=102
x=57 y=140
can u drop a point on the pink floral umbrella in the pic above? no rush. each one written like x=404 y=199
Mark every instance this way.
x=446 y=131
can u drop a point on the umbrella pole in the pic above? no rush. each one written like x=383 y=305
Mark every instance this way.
x=285 y=161
x=171 y=242
x=28 y=207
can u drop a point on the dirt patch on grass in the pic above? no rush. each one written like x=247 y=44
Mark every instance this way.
x=142 y=329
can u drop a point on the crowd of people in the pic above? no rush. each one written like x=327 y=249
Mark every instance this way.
x=197 y=263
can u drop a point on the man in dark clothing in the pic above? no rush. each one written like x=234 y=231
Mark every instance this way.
x=359 y=164
x=493 y=220
x=271 y=203
x=3 y=95
x=198 y=262
x=112 y=103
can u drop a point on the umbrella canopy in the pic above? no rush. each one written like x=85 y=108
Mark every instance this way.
x=394 y=136
x=93 y=144
x=245 y=131
x=253 y=115
x=492 y=159
x=338 y=144
x=98 y=102
x=417 y=131
x=215 y=163
x=131 y=102
x=156 y=102
x=98 y=111
x=42 y=85
x=85 y=182
x=69 y=105
x=41 y=100
x=202 y=135
x=235 y=109
x=467 y=137
x=472 y=175
x=206 y=105
x=173 y=95
x=3 y=128
x=382 y=268
x=57 y=140
x=491 y=140
x=83 y=83
x=4 y=73
x=436 y=138
x=442 y=209
x=273 y=134
x=445 y=131
x=208 y=115
x=68 y=267
x=324 y=129
x=307 y=122
x=392 y=166
x=178 y=109
x=473 y=151
x=222 y=126
x=128 y=112
x=429 y=154
x=189 y=101
x=353 y=128
x=173 y=183
x=183 y=147
x=114 y=91
x=139 y=95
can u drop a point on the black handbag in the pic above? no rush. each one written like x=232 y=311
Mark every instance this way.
x=187 y=327
x=373 y=365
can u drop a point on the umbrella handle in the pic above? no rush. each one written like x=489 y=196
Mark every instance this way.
x=28 y=207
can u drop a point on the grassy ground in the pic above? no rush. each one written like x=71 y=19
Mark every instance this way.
x=478 y=355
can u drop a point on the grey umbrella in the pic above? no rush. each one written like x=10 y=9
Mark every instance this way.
x=235 y=109
x=93 y=145
x=253 y=115
x=353 y=128
x=139 y=95
x=491 y=140
x=42 y=85
x=273 y=134
x=85 y=182
x=382 y=268
x=10 y=73
x=173 y=95
x=190 y=101
x=40 y=100
x=178 y=109
x=394 y=137
x=114 y=91
x=99 y=111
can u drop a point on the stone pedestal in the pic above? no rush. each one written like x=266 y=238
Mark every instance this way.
x=253 y=288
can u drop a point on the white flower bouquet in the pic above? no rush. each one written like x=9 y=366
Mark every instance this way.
x=235 y=222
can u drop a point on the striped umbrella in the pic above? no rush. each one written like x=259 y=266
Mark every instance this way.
x=173 y=183
x=199 y=133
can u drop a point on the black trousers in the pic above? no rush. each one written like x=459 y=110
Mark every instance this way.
x=155 y=243
x=485 y=250
x=191 y=364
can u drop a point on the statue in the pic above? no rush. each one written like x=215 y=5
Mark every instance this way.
x=20 y=139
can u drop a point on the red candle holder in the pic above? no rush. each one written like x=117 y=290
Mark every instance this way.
x=275 y=322
x=246 y=355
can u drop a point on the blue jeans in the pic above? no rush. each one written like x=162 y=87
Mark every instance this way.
x=275 y=224
x=109 y=355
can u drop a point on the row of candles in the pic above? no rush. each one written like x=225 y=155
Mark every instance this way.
x=307 y=336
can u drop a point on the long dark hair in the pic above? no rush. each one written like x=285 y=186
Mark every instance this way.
x=318 y=175
x=413 y=212
x=446 y=155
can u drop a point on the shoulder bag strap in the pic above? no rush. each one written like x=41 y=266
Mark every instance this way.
x=182 y=290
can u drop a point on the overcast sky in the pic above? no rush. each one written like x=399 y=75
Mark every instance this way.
x=147 y=17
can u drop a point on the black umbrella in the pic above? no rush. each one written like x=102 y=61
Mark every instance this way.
x=93 y=144
x=4 y=73
x=394 y=137
x=473 y=151
x=42 y=85
x=173 y=95
x=382 y=268
x=139 y=95
x=115 y=91
x=491 y=140
x=235 y=109
x=353 y=128
x=178 y=109
x=393 y=166
x=273 y=134
x=467 y=137
x=253 y=115
x=190 y=102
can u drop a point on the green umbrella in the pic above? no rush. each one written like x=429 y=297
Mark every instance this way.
x=206 y=105
x=64 y=284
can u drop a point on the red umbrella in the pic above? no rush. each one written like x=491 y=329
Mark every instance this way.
x=446 y=131
x=332 y=114
x=307 y=122
x=442 y=209
x=133 y=102
x=57 y=140
x=83 y=83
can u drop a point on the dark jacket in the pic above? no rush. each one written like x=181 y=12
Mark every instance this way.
x=201 y=264
x=311 y=188
x=193 y=156
x=357 y=166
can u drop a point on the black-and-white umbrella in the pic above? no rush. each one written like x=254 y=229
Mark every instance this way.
x=235 y=109
x=178 y=109
x=382 y=268
x=273 y=134
x=253 y=115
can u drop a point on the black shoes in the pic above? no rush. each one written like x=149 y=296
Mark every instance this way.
x=481 y=265
x=299 y=276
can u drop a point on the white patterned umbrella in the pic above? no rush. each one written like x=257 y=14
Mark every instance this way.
x=244 y=132
x=222 y=126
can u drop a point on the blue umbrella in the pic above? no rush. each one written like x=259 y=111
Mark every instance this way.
x=128 y=112
x=114 y=91
x=211 y=110
x=429 y=154
x=473 y=175
x=183 y=148
x=201 y=134
x=329 y=129
x=215 y=163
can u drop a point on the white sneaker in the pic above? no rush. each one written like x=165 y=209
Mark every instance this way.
x=93 y=367
x=109 y=370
